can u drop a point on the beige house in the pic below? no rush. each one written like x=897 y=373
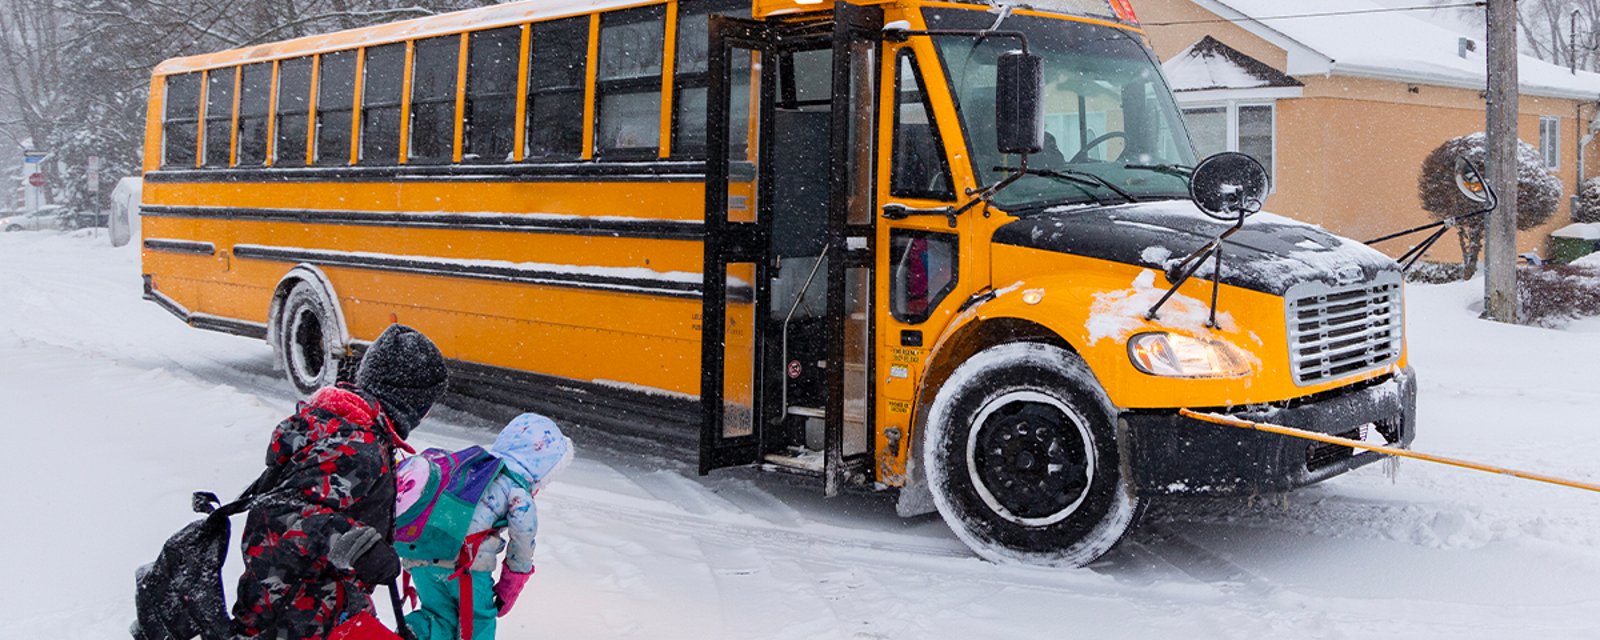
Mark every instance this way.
x=1342 y=108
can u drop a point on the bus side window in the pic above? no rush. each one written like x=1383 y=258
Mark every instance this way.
x=558 y=61
x=919 y=169
x=294 y=112
x=628 y=83
x=491 y=112
x=180 y=121
x=255 y=100
x=336 y=96
x=689 y=72
x=381 y=88
x=922 y=272
x=219 y=116
x=434 y=69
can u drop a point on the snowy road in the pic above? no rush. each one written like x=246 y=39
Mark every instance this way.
x=113 y=412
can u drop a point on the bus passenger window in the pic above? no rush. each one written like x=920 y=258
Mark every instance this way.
x=381 y=87
x=919 y=169
x=219 y=116
x=434 y=70
x=628 y=84
x=923 y=271
x=558 y=59
x=336 y=97
x=492 y=61
x=689 y=72
x=294 y=110
x=255 y=100
x=180 y=122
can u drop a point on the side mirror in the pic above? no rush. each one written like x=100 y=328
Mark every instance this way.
x=1229 y=186
x=1019 y=113
x=1470 y=181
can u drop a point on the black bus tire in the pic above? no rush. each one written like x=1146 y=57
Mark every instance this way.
x=308 y=340
x=1022 y=458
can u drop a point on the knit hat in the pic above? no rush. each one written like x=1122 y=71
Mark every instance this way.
x=406 y=373
x=534 y=448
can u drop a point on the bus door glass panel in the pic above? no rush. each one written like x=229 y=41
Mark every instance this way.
x=732 y=393
x=859 y=104
x=744 y=124
x=739 y=351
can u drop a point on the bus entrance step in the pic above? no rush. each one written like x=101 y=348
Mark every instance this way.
x=795 y=460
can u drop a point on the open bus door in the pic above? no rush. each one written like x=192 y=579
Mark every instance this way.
x=786 y=323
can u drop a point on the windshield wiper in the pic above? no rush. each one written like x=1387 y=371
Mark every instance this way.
x=1179 y=170
x=1074 y=176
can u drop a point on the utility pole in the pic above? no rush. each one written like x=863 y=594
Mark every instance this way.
x=1500 y=241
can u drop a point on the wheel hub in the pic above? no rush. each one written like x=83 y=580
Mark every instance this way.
x=1030 y=460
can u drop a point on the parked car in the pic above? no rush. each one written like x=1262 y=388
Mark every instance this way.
x=124 y=222
x=47 y=217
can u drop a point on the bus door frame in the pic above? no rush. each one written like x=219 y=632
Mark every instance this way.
x=740 y=242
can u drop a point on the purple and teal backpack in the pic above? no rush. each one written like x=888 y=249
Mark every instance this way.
x=436 y=494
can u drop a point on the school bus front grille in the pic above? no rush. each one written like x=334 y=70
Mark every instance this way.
x=1339 y=331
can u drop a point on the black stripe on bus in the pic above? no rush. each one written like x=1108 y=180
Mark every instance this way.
x=574 y=225
x=180 y=246
x=468 y=269
x=662 y=171
x=202 y=320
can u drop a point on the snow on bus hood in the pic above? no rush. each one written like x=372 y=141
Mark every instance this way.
x=1270 y=254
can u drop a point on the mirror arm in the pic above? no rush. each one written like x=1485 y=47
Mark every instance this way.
x=1191 y=264
x=900 y=35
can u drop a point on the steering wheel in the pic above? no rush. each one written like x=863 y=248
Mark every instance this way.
x=1083 y=154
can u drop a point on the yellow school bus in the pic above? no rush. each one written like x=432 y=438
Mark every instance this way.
x=952 y=250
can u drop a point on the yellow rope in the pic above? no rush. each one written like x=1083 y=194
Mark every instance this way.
x=1393 y=451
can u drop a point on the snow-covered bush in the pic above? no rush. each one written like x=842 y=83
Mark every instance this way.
x=1553 y=295
x=1588 y=201
x=1538 y=192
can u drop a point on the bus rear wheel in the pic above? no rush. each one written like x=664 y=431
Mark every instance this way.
x=308 y=340
x=1022 y=459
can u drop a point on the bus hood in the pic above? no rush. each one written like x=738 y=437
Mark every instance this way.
x=1270 y=254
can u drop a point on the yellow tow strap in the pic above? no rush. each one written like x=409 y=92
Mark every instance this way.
x=1387 y=450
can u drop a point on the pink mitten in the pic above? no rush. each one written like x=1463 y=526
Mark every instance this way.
x=509 y=587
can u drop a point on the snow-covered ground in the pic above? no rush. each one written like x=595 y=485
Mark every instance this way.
x=113 y=411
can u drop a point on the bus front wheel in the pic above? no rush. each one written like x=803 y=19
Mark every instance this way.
x=1022 y=460
x=308 y=340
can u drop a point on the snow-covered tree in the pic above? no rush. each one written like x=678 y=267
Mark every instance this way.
x=1538 y=192
x=1588 y=201
x=76 y=73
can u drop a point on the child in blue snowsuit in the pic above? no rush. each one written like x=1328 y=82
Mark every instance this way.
x=533 y=450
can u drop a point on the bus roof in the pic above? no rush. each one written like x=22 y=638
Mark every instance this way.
x=513 y=13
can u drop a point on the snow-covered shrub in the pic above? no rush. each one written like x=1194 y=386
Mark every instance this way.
x=1588 y=202
x=1538 y=192
x=1554 y=295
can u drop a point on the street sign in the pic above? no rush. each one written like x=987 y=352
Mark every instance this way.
x=92 y=175
x=36 y=180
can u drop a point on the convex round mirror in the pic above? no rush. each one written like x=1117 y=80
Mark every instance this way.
x=1470 y=181
x=1229 y=186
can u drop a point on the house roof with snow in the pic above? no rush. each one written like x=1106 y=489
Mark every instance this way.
x=1209 y=64
x=1388 y=45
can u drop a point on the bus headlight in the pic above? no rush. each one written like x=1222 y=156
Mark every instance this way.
x=1175 y=356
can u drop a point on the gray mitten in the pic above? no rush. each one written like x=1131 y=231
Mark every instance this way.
x=345 y=548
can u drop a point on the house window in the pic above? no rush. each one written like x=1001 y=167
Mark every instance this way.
x=1550 y=141
x=1246 y=128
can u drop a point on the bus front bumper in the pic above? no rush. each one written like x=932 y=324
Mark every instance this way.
x=1172 y=455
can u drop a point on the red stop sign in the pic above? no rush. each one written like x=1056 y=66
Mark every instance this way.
x=36 y=180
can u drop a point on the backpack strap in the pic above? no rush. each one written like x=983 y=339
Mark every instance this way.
x=463 y=576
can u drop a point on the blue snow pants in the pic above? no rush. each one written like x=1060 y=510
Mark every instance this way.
x=437 y=619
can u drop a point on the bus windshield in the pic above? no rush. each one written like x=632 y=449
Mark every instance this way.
x=1112 y=130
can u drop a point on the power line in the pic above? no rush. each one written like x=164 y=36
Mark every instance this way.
x=1294 y=16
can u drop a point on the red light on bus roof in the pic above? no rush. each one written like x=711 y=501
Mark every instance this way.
x=1124 y=9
